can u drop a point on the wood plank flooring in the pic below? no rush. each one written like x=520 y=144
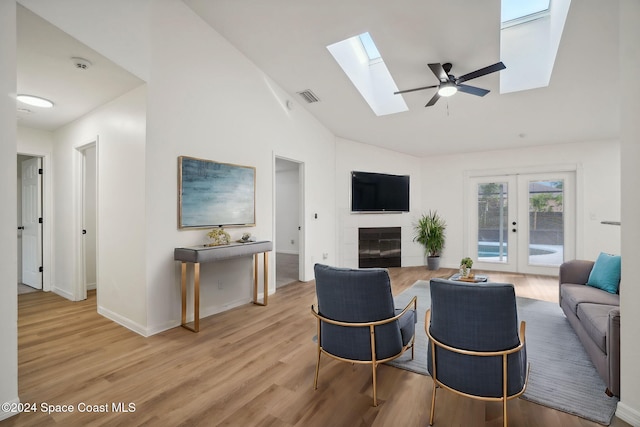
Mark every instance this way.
x=250 y=366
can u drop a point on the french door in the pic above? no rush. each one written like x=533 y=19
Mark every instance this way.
x=522 y=223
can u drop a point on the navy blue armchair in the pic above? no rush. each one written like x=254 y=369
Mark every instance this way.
x=476 y=348
x=357 y=320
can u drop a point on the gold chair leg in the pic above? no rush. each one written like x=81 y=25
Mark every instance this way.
x=433 y=403
x=315 y=380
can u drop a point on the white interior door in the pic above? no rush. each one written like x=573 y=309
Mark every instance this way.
x=522 y=223
x=31 y=214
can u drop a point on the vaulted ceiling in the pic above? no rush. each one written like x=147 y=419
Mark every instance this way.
x=287 y=40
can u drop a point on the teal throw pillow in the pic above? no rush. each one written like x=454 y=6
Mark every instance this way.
x=605 y=274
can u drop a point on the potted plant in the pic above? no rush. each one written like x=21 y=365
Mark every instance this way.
x=465 y=266
x=430 y=234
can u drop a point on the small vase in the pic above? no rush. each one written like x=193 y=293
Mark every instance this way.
x=464 y=271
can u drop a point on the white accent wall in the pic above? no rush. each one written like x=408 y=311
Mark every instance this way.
x=597 y=167
x=8 y=217
x=355 y=156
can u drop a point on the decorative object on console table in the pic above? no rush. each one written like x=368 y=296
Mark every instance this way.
x=218 y=237
x=465 y=267
x=429 y=232
x=204 y=254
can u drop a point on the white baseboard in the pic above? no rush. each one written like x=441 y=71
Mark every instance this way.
x=121 y=320
x=91 y=286
x=287 y=252
x=62 y=293
x=4 y=415
x=628 y=414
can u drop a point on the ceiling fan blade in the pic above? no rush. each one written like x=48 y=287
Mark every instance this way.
x=481 y=72
x=473 y=90
x=413 y=90
x=433 y=100
x=439 y=72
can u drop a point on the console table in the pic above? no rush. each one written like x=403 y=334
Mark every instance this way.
x=196 y=255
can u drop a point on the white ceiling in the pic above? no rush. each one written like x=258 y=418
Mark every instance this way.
x=288 y=40
x=45 y=69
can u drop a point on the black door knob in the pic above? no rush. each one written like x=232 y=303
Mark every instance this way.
x=513 y=223
x=513 y=229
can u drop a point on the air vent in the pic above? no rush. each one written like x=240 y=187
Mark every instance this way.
x=309 y=96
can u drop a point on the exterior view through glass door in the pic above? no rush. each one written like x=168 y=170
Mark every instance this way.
x=522 y=223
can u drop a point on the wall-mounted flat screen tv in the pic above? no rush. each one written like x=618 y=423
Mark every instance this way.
x=378 y=192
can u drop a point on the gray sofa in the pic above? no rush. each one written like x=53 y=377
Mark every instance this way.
x=594 y=314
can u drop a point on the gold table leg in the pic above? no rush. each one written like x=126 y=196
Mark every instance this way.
x=266 y=279
x=196 y=297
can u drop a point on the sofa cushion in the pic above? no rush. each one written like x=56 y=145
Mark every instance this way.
x=605 y=274
x=573 y=295
x=595 y=319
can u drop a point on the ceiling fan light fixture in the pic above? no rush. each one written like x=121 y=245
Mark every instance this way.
x=447 y=89
x=34 y=101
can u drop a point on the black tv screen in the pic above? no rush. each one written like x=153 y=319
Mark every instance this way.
x=378 y=192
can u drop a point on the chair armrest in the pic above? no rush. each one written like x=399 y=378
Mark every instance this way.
x=320 y=317
x=576 y=271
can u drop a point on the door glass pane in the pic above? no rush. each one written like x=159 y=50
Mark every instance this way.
x=546 y=222
x=492 y=222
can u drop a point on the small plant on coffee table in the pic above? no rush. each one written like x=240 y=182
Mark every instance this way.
x=465 y=266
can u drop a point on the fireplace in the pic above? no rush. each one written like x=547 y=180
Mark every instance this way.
x=379 y=247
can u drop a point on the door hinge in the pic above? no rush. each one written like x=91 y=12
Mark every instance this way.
x=40 y=171
x=40 y=269
x=40 y=220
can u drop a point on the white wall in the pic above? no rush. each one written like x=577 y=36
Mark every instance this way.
x=221 y=107
x=8 y=219
x=287 y=203
x=119 y=128
x=354 y=156
x=598 y=190
x=629 y=405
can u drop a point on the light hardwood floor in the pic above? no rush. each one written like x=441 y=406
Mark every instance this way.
x=250 y=366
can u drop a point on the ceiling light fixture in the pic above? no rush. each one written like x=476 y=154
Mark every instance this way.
x=35 y=101
x=447 y=89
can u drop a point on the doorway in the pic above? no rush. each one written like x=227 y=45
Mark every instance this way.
x=30 y=226
x=522 y=223
x=87 y=208
x=289 y=236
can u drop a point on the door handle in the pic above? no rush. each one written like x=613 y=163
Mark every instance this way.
x=84 y=231
x=21 y=227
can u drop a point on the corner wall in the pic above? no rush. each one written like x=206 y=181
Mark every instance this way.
x=629 y=405
x=119 y=129
x=8 y=214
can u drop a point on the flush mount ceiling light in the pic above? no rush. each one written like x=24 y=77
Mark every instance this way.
x=447 y=89
x=35 y=101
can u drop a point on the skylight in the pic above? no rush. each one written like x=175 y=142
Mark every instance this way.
x=369 y=47
x=516 y=12
x=361 y=61
x=529 y=40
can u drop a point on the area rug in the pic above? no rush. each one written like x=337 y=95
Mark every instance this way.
x=561 y=375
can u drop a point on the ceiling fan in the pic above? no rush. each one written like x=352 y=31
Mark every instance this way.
x=450 y=84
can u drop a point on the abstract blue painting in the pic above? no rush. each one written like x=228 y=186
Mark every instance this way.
x=214 y=194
